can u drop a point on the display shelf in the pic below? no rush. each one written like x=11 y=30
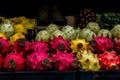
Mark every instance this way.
x=38 y=75
x=61 y=75
x=99 y=75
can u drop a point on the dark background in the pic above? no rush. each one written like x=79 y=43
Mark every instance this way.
x=30 y=8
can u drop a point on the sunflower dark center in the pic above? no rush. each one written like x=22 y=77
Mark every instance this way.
x=113 y=67
x=93 y=43
x=21 y=42
x=45 y=62
x=61 y=47
x=11 y=63
x=80 y=45
x=74 y=63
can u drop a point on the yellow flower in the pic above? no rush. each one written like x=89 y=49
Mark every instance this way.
x=20 y=28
